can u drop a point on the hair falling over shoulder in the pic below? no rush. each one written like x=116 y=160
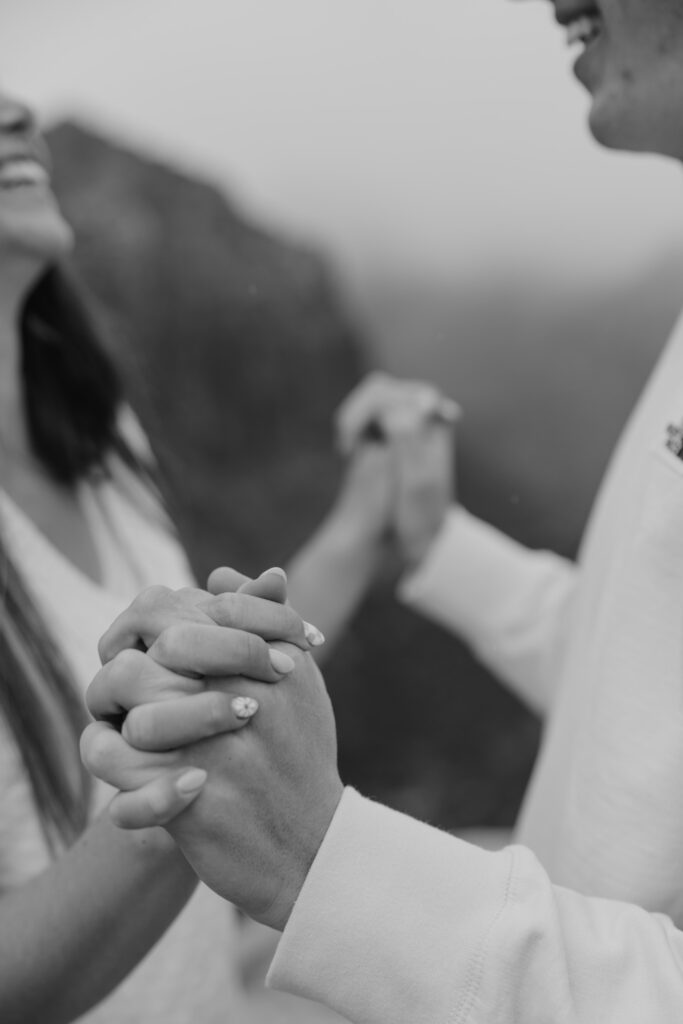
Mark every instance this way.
x=43 y=710
x=71 y=400
x=71 y=390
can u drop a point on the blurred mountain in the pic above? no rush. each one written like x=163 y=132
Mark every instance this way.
x=236 y=347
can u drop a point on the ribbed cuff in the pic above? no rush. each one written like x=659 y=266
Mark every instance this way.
x=393 y=920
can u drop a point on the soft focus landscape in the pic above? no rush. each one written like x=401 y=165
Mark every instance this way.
x=237 y=342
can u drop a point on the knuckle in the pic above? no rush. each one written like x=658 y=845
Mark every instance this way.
x=230 y=610
x=169 y=641
x=150 y=598
x=187 y=597
x=155 y=594
x=255 y=649
x=158 y=808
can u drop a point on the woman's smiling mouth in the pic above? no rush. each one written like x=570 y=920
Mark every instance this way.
x=22 y=172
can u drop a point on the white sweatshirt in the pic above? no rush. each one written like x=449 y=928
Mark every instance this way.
x=598 y=648
x=398 y=922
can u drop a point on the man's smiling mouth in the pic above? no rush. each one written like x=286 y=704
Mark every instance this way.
x=584 y=30
x=581 y=19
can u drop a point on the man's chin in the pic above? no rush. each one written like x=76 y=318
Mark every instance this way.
x=615 y=126
x=610 y=130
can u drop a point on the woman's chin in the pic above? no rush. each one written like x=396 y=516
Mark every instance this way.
x=43 y=241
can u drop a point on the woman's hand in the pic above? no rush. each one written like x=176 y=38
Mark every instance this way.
x=166 y=712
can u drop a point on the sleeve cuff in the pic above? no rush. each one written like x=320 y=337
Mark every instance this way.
x=393 y=921
x=469 y=567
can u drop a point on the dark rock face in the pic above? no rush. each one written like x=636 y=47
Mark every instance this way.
x=235 y=351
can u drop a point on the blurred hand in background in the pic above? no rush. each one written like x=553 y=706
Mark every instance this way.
x=397 y=437
x=413 y=424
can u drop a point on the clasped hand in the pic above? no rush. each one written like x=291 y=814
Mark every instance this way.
x=220 y=683
x=398 y=436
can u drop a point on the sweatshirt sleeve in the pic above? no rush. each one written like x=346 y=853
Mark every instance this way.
x=399 y=923
x=509 y=603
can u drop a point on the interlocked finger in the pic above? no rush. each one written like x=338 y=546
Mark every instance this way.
x=159 y=801
x=208 y=651
x=152 y=611
x=268 y=619
x=132 y=678
x=176 y=723
x=106 y=754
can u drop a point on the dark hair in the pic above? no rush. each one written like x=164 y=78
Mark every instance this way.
x=71 y=398
x=71 y=390
x=43 y=710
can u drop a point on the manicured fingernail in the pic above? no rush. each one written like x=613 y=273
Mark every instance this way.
x=278 y=572
x=313 y=635
x=244 y=707
x=281 y=662
x=191 y=781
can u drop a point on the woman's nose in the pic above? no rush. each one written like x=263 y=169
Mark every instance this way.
x=15 y=117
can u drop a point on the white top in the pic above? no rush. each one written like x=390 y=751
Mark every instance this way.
x=400 y=924
x=599 y=649
x=188 y=975
x=199 y=972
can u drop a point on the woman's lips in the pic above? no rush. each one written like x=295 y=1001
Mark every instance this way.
x=21 y=172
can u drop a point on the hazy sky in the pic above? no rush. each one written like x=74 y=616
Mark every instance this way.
x=439 y=137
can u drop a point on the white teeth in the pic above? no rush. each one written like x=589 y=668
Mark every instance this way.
x=15 y=173
x=584 y=29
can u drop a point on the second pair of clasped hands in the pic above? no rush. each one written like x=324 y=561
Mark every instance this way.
x=228 y=738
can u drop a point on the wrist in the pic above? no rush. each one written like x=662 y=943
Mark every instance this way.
x=415 y=548
x=311 y=840
x=344 y=534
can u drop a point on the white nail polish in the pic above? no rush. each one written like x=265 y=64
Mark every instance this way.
x=244 y=707
x=281 y=662
x=278 y=572
x=191 y=781
x=313 y=635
